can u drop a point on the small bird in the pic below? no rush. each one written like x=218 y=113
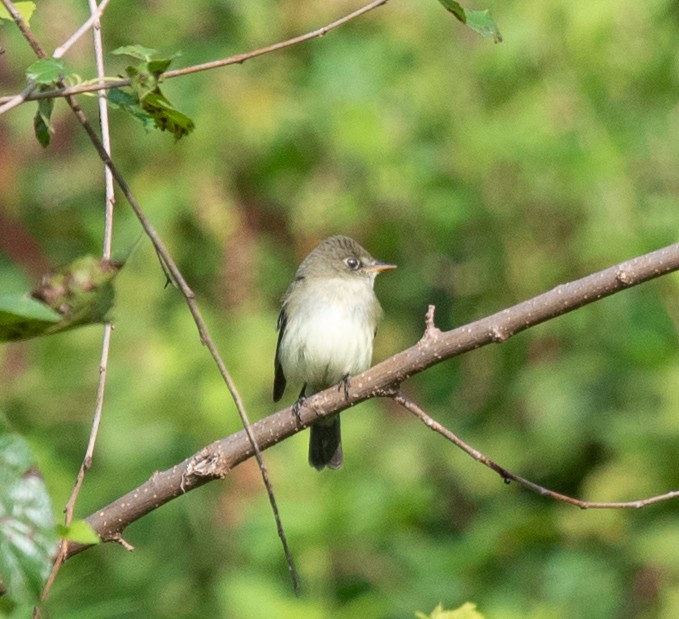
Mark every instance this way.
x=326 y=327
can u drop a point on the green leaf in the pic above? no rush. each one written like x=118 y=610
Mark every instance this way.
x=483 y=23
x=79 y=293
x=156 y=67
x=27 y=527
x=46 y=71
x=17 y=308
x=455 y=9
x=466 y=611
x=478 y=21
x=25 y=10
x=82 y=291
x=42 y=123
x=122 y=99
x=79 y=531
x=22 y=317
x=135 y=51
x=166 y=116
x=144 y=100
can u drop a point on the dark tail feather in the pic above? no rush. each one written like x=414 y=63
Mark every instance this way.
x=325 y=444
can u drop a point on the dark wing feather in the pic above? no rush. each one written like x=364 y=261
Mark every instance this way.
x=279 y=378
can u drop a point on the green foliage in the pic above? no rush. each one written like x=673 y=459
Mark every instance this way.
x=78 y=531
x=489 y=174
x=143 y=100
x=41 y=122
x=77 y=294
x=16 y=309
x=466 y=611
x=479 y=21
x=25 y=9
x=26 y=522
x=46 y=71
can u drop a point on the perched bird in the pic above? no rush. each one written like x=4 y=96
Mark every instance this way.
x=326 y=327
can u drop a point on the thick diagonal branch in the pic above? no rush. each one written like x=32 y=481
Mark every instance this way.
x=216 y=460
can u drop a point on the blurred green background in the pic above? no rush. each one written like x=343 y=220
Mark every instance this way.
x=489 y=174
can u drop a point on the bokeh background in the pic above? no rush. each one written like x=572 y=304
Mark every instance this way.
x=488 y=173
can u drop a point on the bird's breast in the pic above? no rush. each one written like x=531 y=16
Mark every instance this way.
x=328 y=336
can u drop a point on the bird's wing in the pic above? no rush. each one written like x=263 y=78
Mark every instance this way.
x=279 y=377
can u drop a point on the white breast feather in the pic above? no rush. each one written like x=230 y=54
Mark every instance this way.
x=332 y=338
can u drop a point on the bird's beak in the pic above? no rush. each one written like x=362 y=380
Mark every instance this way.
x=378 y=267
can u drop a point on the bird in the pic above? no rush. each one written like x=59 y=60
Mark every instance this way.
x=326 y=326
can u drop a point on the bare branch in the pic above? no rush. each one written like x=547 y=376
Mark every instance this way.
x=508 y=476
x=224 y=62
x=95 y=13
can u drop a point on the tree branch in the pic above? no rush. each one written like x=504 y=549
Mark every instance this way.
x=217 y=459
x=508 y=476
x=29 y=95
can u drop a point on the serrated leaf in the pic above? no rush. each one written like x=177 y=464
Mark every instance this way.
x=25 y=10
x=46 y=71
x=79 y=531
x=135 y=51
x=145 y=101
x=27 y=527
x=479 y=21
x=166 y=116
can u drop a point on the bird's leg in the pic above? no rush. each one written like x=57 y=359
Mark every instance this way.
x=297 y=406
x=344 y=384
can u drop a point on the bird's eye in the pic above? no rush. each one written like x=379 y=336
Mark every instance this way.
x=352 y=263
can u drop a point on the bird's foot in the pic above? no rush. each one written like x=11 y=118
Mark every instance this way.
x=296 y=407
x=344 y=384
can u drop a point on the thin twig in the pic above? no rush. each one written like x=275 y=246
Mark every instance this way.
x=95 y=14
x=109 y=198
x=231 y=60
x=241 y=58
x=24 y=95
x=508 y=476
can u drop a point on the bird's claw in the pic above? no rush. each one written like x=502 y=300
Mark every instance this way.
x=344 y=384
x=296 y=407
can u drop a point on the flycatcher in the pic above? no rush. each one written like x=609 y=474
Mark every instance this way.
x=326 y=327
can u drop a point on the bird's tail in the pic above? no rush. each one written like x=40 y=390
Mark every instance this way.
x=325 y=444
